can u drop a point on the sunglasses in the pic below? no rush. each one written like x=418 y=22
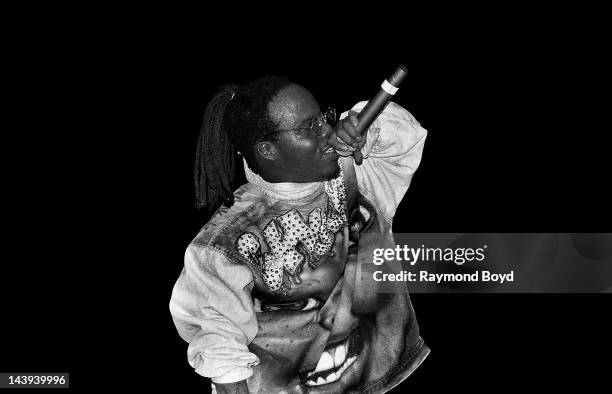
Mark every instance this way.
x=316 y=125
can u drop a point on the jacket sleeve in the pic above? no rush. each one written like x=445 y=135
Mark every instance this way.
x=392 y=154
x=212 y=309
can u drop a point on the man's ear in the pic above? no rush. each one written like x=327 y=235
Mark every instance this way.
x=267 y=150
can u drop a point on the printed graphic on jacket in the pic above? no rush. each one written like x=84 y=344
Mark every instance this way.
x=292 y=240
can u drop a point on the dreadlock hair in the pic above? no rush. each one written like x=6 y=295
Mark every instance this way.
x=236 y=118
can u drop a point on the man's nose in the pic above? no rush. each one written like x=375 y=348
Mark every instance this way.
x=327 y=314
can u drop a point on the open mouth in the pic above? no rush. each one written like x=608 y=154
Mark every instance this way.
x=334 y=360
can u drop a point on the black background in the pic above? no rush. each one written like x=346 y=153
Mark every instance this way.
x=511 y=148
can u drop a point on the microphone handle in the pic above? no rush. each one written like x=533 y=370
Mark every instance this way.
x=375 y=106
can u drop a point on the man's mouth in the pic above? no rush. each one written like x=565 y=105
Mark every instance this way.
x=333 y=362
x=329 y=149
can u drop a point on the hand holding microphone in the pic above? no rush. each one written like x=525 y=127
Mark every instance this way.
x=346 y=139
x=350 y=134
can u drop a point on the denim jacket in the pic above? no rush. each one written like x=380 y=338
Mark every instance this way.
x=225 y=303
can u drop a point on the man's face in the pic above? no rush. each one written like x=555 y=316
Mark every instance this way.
x=302 y=150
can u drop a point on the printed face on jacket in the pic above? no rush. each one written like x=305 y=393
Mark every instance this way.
x=315 y=331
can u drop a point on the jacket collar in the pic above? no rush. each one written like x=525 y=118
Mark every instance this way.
x=281 y=190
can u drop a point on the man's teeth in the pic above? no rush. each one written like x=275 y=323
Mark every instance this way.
x=329 y=150
x=327 y=362
x=340 y=355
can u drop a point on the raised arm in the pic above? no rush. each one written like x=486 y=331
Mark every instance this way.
x=392 y=153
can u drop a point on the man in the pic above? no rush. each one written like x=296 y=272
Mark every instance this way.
x=272 y=298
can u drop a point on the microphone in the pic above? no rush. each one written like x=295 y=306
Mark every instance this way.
x=375 y=106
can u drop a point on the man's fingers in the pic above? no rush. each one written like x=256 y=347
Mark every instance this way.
x=345 y=137
x=353 y=117
x=358 y=156
x=339 y=145
x=349 y=125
